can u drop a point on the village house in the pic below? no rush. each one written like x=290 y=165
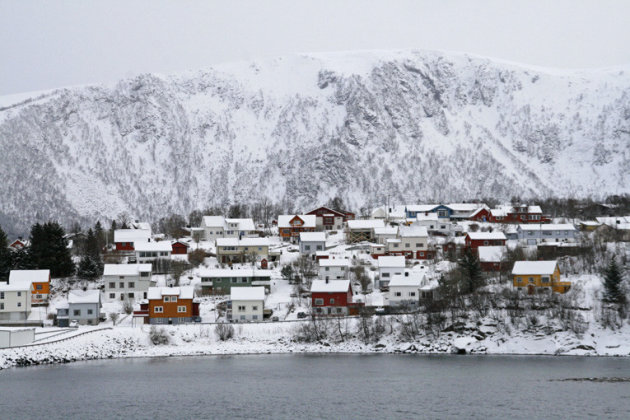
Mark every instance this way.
x=39 y=281
x=234 y=250
x=388 y=267
x=362 y=230
x=435 y=225
x=492 y=258
x=404 y=289
x=511 y=214
x=476 y=239
x=534 y=234
x=147 y=252
x=454 y=211
x=538 y=276
x=19 y=244
x=220 y=227
x=81 y=306
x=413 y=242
x=246 y=304
x=221 y=281
x=127 y=281
x=290 y=226
x=334 y=268
x=179 y=247
x=311 y=242
x=332 y=298
x=381 y=235
x=125 y=239
x=169 y=305
x=329 y=219
x=15 y=302
x=390 y=213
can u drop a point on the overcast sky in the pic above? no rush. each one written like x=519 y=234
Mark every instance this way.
x=48 y=44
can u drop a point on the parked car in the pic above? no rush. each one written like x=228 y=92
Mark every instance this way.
x=301 y=315
x=275 y=319
x=74 y=324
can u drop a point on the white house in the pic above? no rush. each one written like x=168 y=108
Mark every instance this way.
x=362 y=230
x=125 y=239
x=413 y=239
x=381 y=235
x=388 y=267
x=39 y=281
x=435 y=224
x=247 y=304
x=151 y=251
x=334 y=268
x=532 y=234
x=311 y=242
x=82 y=306
x=220 y=227
x=15 y=301
x=404 y=289
x=127 y=281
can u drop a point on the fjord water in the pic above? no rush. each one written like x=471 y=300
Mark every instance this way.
x=320 y=386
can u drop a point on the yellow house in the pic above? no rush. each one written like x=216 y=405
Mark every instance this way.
x=538 y=276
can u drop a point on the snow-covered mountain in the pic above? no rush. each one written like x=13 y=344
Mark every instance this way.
x=411 y=125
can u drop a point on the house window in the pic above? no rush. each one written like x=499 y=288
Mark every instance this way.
x=531 y=280
x=241 y=308
x=131 y=295
x=112 y=295
x=121 y=284
x=412 y=294
x=242 y=317
x=385 y=275
x=76 y=312
x=398 y=294
x=395 y=245
x=254 y=308
x=112 y=285
x=343 y=268
x=307 y=247
x=545 y=279
x=19 y=294
x=255 y=317
x=158 y=309
x=121 y=277
x=407 y=245
x=332 y=301
x=319 y=247
x=243 y=280
x=339 y=310
x=1 y=295
x=39 y=287
x=1 y=306
x=327 y=269
x=144 y=274
x=132 y=284
x=519 y=279
x=173 y=298
x=19 y=304
x=234 y=280
x=167 y=299
x=181 y=309
x=319 y=301
x=90 y=311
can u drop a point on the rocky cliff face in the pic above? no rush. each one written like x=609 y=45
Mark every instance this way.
x=410 y=125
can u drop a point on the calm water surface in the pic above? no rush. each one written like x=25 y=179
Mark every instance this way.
x=319 y=386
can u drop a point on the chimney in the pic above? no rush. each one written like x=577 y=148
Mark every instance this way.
x=326 y=280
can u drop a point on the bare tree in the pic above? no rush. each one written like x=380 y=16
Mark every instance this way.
x=114 y=317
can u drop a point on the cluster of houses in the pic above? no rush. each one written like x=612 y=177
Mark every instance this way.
x=397 y=238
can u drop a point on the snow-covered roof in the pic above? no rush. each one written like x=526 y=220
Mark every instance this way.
x=125 y=269
x=465 y=207
x=491 y=253
x=413 y=231
x=310 y=220
x=15 y=287
x=223 y=273
x=84 y=296
x=433 y=217
x=421 y=207
x=312 y=237
x=411 y=280
x=391 y=262
x=213 y=221
x=534 y=267
x=162 y=246
x=500 y=212
x=142 y=225
x=183 y=292
x=590 y=223
x=365 y=224
x=243 y=224
x=29 y=276
x=548 y=226
x=330 y=286
x=486 y=236
x=620 y=222
x=247 y=293
x=132 y=235
x=334 y=262
x=387 y=230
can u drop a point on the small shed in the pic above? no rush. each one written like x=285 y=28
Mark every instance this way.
x=16 y=336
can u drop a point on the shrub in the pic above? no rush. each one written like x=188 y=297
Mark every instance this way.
x=159 y=337
x=224 y=331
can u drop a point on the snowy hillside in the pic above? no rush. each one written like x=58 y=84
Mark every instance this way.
x=412 y=125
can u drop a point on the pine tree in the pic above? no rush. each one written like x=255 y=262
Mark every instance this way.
x=110 y=236
x=613 y=292
x=49 y=249
x=88 y=269
x=5 y=256
x=101 y=240
x=470 y=268
x=21 y=259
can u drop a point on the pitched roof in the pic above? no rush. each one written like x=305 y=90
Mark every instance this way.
x=247 y=293
x=413 y=231
x=19 y=287
x=213 y=221
x=125 y=269
x=310 y=220
x=534 y=267
x=387 y=230
x=312 y=237
x=391 y=262
x=400 y=280
x=483 y=236
x=132 y=235
x=332 y=286
x=223 y=273
x=242 y=242
x=547 y=226
x=162 y=246
x=334 y=262
x=81 y=296
x=29 y=276
x=246 y=224
x=491 y=253
x=183 y=292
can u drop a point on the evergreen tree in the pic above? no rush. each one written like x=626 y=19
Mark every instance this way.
x=49 y=249
x=5 y=256
x=21 y=259
x=101 y=239
x=110 y=237
x=92 y=253
x=88 y=268
x=470 y=268
x=613 y=292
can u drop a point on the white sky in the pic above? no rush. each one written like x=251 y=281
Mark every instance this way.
x=48 y=44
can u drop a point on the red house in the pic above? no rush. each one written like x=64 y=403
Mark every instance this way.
x=476 y=239
x=332 y=298
x=329 y=219
x=125 y=238
x=492 y=258
x=290 y=226
x=179 y=248
x=522 y=214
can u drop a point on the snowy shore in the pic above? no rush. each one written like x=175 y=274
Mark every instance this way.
x=196 y=340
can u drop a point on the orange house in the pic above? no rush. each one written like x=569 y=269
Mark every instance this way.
x=290 y=226
x=171 y=305
x=39 y=280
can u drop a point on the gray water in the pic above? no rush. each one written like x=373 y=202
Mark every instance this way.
x=319 y=386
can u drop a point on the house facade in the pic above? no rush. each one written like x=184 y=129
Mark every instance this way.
x=334 y=268
x=492 y=258
x=476 y=239
x=329 y=219
x=179 y=248
x=413 y=242
x=511 y=214
x=15 y=302
x=247 y=304
x=126 y=281
x=311 y=242
x=82 y=306
x=388 y=267
x=331 y=298
x=535 y=234
x=147 y=252
x=39 y=281
x=125 y=239
x=538 y=276
x=221 y=282
x=290 y=226
x=221 y=227
x=171 y=305
x=404 y=290
x=234 y=250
